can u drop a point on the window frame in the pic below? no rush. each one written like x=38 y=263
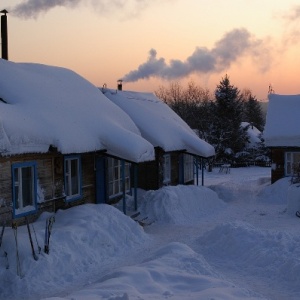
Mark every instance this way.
x=18 y=182
x=188 y=168
x=289 y=163
x=166 y=168
x=68 y=184
x=115 y=183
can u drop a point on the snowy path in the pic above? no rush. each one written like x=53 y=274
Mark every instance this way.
x=247 y=212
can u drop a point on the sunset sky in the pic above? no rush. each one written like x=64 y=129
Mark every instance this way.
x=150 y=43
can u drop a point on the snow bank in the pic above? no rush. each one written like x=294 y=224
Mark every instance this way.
x=276 y=193
x=237 y=252
x=241 y=246
x=175 y=271
x=84 y=240
x=282 y=192
x=293 y=203
x=180 y=204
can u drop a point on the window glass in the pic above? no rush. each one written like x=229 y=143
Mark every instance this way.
x=75 y=176
x=16 y=188
x=292 y=163
x=24 y=188
x=72 y=178
x=115 y=176
x=188 y=161
x=111 y=190
x=27 y=186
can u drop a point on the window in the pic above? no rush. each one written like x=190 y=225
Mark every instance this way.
x=188 y=163
x=292 y=161
x=72 y=178
x=24 y=185
x=166 y=169
x=115 y=176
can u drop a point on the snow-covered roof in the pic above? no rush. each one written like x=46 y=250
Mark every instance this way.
x=253 y=134
x=158 y=123
x=282 y=127
x=44 y=105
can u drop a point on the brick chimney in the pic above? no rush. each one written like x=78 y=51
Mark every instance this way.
x=4 y=39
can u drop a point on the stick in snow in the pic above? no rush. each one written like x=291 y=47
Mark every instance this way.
x=39 y=248
x=4 y=252
x=6 y=260
x=49 y=224
x=2 y=232
x=30 y=239
x=15 y=230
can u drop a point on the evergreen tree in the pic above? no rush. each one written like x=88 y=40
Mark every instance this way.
x=253 y=112
x=227 y=136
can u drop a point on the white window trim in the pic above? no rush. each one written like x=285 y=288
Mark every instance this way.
x=117 y=182
x=188 y=172
x=289 y=163
x=18 y=182
x=68 y=178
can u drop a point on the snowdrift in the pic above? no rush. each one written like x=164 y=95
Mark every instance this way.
x=180 y=204
x=175 y=271
x=197 y=248
x=241 y=246
x=84 y=240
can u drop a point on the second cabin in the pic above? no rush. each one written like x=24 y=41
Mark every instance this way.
x=177 y=147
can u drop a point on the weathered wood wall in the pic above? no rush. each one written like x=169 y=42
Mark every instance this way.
x=50 y=181
x=150 y=174
x=277 y=170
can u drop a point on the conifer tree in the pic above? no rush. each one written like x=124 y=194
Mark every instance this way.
x=228 y=136
x=253 y=112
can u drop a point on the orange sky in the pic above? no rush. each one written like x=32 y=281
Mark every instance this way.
x=254 y=42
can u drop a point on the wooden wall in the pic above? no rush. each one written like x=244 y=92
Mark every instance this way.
x=150 y=174
x=277 y=170
x=88 y=178
x=50 y=180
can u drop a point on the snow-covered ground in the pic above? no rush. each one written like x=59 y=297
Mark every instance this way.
x=235 y=238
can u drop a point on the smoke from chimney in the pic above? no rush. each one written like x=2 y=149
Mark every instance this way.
x=129 y=8
x=4 y=35
x=229 y=49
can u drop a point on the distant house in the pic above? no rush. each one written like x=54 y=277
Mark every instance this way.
x=282 y=134
x=59 y=137
x=254 y=151
x=176 y=144
x=254 y=135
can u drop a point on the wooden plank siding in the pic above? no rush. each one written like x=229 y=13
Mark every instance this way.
x=278 y=161
x=88 y=178
x=50 y=182
x=150 y=174
x=277 y=170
